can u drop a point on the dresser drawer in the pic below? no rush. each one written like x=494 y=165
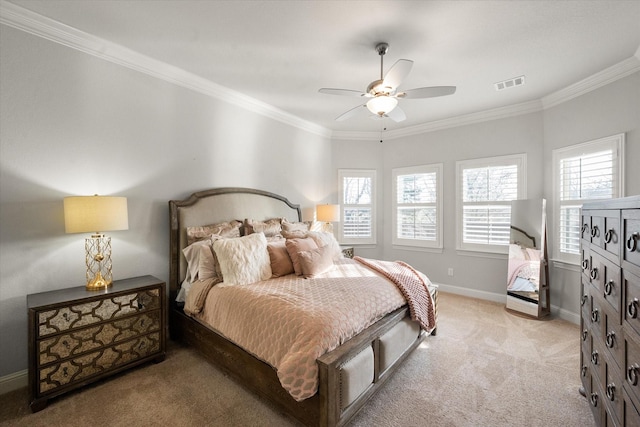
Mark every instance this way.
x=605 y=277
x=613 y=386
x=83 y=340
x=631 y=289
x=631 y=416
x=613 y=338
x=91 y=364
x=631 y=242
x=65 y=318
x=631 y=370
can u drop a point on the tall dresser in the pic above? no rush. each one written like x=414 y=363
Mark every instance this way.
x=610 y=306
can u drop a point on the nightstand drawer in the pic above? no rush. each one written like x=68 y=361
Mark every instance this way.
x=75 y=316
x=88 y=365
x=81 y=341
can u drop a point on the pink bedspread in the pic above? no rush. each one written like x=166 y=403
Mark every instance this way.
x=289 y=322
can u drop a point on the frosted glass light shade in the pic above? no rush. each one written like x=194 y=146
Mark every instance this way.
x=84 y=214
x=381 y=105
x=328 y=213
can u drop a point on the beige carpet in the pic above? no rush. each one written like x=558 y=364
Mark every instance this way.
x=486 y=367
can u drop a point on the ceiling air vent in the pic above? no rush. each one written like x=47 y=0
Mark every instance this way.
x=507 y=84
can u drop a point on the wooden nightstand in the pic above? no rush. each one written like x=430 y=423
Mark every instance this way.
x=347 y=251
x=77 y=336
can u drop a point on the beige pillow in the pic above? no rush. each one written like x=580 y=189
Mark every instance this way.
x=198 y=294
x=295 y=226
x=294 y=246
x=327 y=239
x=222 y=229
x=315 y=261
x=270 y=227
x=281 y=264
x=243 y=260
x=200 y=261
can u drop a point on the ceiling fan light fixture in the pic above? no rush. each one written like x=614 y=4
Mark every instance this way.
x=382 y=104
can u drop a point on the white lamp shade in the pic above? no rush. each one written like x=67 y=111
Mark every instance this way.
x=328 y=213
x=84 y=214
x=381 y=105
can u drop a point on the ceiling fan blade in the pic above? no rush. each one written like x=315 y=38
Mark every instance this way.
x=397 y=115
x=353 y=112
x=341 y=92
x=397 y=73
x=427 y=92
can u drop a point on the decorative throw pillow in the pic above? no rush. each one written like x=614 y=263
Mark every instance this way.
x=295 y=226
x=243 y=260
x=299 y=234
x=327 y=239
x=281 y=264
x=198 y=294
x=270 y=228
x=294 y=246
x=315 y=261
x=199 y=256
x=222 y=229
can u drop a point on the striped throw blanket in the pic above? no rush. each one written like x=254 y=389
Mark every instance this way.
x=412 y=286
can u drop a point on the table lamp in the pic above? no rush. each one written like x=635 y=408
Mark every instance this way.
x=328 y=214
x=85 y=214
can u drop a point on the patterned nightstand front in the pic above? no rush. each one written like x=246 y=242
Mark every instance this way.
x=347 y=251
x=78 y=336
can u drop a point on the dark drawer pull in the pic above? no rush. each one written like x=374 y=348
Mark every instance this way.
x=594 y=231
x=594 y=315
x=632 y=241
x=584 y=299
x=632 y=308
x=594 y=399
x=584 y=371
x=594 y=357
x=594 y=274
x=632 y=374
x=608 y=288
x=585 y=227
x=611 y=339
x=585 y=264
x=609 y=235
x=585 y=334
x=611 y=391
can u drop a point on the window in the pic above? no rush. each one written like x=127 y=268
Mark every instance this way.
x=357 y=206
x=417 y=210
x=581 y=173
x=485 y=189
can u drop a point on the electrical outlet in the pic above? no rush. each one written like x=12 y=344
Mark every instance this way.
x=450 y=271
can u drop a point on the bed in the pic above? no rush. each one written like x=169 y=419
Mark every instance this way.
x=347 y=375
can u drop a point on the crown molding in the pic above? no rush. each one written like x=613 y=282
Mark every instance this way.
x=467 y=119
x=591 y=83
x=30 y=22
x=41 y=26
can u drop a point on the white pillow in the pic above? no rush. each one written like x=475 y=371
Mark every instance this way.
x=243 y=260
x=323 y=238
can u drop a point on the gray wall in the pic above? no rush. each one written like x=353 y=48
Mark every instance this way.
x=609 y=110
x=73 y=124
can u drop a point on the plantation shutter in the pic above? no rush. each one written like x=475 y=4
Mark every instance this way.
x=357 y=206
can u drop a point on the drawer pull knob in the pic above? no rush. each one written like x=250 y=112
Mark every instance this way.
x=66 y=344
x=594 y=274
x=585 y=264
x=65 y=373
x=611 y=339
x=585 y=334
x=584 y=299
x=608 y=236
x=632 y=308
x=594 y=231
x=594 y=399
x=594 y=315
x=632 y=374
x=585 y=227
x=608 y=288
x=611 y=390
x=584 y=371
x=632 y=242
x=594 y=357
x=65 y=316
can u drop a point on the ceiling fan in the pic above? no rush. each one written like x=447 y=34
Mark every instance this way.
x=383 y=93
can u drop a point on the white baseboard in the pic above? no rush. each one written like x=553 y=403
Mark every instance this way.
x=13 y=381
x=502 y=299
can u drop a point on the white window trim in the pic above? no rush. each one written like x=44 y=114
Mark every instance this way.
x=615 y=142
x=413 y=170
x=521 y=161
x=362 y=173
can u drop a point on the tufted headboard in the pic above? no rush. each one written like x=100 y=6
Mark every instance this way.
x=214 y=206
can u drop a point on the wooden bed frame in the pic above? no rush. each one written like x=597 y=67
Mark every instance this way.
x=322 y=409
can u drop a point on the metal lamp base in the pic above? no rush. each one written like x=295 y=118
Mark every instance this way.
x=98 y=260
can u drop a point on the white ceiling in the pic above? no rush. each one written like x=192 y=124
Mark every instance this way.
x=282 y=52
